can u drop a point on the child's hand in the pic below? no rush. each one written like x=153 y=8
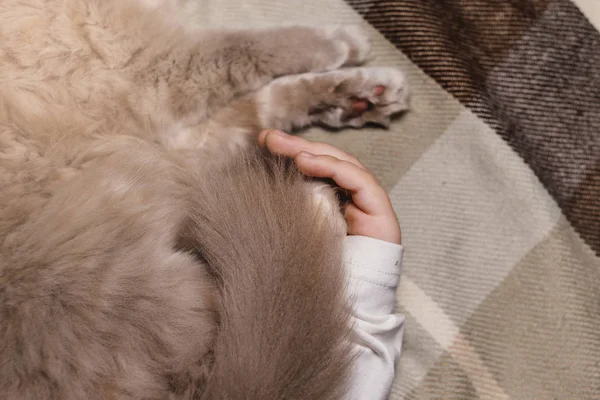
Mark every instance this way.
x=370 y=213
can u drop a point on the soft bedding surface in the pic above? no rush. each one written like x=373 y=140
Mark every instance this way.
x=495 y=176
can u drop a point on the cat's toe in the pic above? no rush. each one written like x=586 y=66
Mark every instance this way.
x=391 y=89
x=360 y=45
x=385 y=88
x=353 y=43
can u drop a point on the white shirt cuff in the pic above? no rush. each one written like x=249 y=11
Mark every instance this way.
x=373 y=260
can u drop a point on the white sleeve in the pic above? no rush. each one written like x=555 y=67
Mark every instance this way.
x=374 y=268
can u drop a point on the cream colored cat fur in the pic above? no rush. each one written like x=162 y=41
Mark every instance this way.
x=148 y=250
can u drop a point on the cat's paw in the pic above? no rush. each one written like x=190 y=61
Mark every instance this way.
x=363 y=95
x=352 y=43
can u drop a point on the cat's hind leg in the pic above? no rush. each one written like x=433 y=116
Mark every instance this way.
x=200 y=74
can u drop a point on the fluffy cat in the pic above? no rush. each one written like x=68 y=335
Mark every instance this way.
x=148 y=250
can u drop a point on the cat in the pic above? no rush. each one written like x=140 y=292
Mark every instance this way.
x=148 y=249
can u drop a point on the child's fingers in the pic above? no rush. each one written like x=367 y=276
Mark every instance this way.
x=382 y=227
x=287 y=145
x=366 y=192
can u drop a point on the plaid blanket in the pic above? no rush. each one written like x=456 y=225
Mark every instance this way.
x=495 y=176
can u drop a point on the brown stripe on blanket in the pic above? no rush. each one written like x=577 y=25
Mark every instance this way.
x=455 y=41
x=530 y=68
x=546 y=97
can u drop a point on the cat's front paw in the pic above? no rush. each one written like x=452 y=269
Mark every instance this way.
x=352 y=42
x=365 y=95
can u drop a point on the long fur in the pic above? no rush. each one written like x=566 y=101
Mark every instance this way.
x=147 y=249
x=274 y=246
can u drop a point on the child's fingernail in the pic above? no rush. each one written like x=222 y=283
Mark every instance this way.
x=306 y=154
x=279 y=133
